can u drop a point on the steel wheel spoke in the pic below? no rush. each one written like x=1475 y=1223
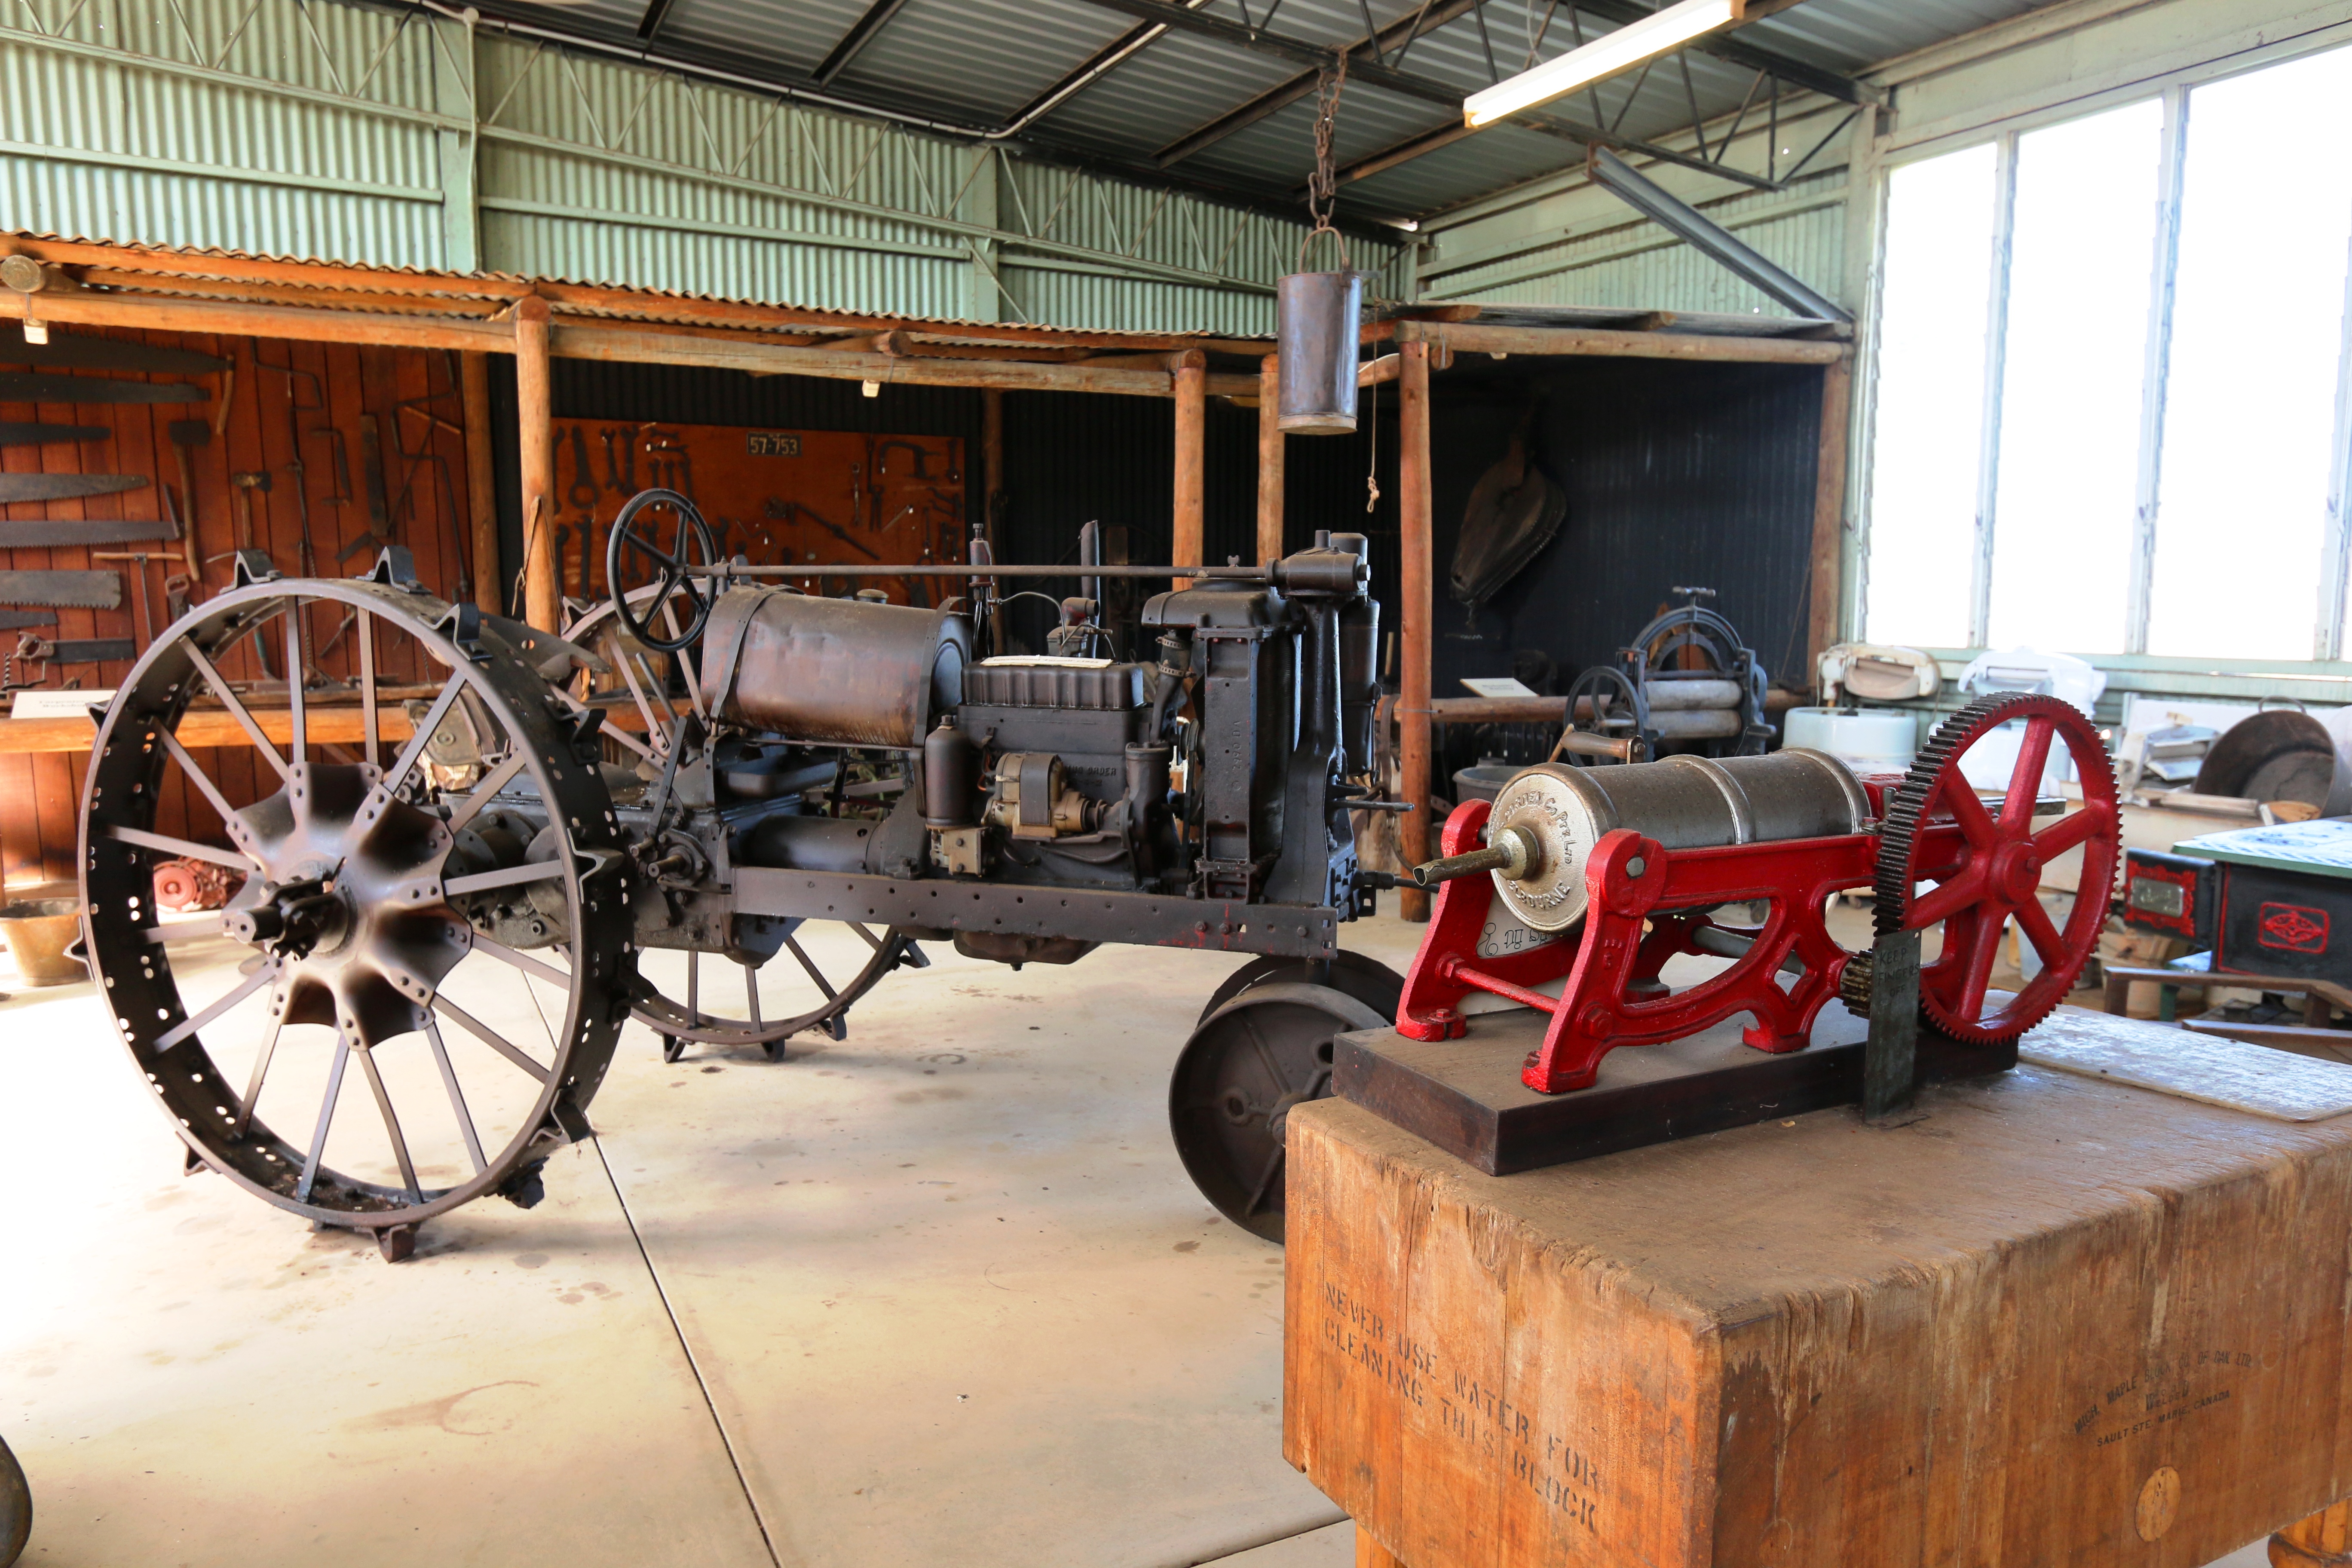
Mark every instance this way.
x=1983 y=948
x=1266 y=1182
x=237 y=994
x=751 y=989
x=2026 y=780
x=457 y=1099
x=505 y=877
x=235 y=706
x=693 y=983
x=1976 y=823
x=521 y=961
x=363 y=631
x=410 y=752
x=2068 y=831
x=298 y=736
x=686 y=662
x=391 y=1125
x=608 y=732
x=260 y=1069
x=197 y=776
x=1948 y=900
x=1265 y=1053
x=326 y=1118
x=496 y=779
x=792 y=945
x=2035 y=921
x=489 y=1036
x=871 y=940
x=187 y=849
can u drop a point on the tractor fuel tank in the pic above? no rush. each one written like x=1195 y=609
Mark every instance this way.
x=841 y=672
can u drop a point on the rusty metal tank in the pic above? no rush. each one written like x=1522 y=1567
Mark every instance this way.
x=841 y=672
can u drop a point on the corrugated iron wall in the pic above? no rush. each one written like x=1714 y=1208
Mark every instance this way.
x=313 y=129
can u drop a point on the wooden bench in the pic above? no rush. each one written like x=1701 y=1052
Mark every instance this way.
x=2044 y=1318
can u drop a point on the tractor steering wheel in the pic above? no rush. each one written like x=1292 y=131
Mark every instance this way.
x=637 y=539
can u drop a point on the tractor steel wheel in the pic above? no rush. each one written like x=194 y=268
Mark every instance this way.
x=1368 y=979
x=1237 y=1080
x=374 y=878
x=15 y=1508
x=677 y=1000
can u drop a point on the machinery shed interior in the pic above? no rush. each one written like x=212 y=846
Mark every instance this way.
x=1139 y=784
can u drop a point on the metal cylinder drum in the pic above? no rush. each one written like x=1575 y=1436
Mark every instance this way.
x=1684 y=803
x=1314 y=320
x=1682 y=694
x=2280 y=753
x=835 y=672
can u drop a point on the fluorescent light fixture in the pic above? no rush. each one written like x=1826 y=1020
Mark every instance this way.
x=1628 y=47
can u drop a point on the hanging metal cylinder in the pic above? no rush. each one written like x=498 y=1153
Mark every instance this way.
x=1316 y=316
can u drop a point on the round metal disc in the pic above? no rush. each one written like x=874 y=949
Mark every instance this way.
x=1368 y=979
x=1249 y=1062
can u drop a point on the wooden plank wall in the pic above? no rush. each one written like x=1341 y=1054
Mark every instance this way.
x=414 y=398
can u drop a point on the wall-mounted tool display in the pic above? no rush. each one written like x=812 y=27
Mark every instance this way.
x=776 y=497
x=186 y=436
x=24 y=433
x=42 y=534
x=66 y=486
x=138 y=560
x=24 y=620
x=35 y=387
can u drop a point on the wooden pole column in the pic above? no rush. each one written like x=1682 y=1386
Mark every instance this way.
x=1415 y=832
x=1191 y=424
x=1269 y=461
x=543 y=594
x=1828 y=573
x=481 y=484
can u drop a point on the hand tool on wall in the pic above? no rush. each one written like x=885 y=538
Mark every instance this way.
x=177 y=586
x=228 y=392
x=40 y=534
x=19 y=620
x=35 y=386
x=445 y=489
x=583 y=491
x=66 y=486
x=246 y=483
x=620 y=459
x=187 y=435
x=25 y=433
x=138 y=559
x=31 y=648
x=379 y=532
x=297 y=405
x=67 y=590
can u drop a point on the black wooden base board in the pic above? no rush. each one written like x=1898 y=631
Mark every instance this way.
x=1465 y=1097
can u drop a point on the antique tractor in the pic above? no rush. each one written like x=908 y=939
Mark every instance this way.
x=469 y=862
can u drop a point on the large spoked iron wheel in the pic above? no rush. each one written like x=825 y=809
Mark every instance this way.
x=436 y=958
x=1236 y=1081
x=1990 y=877
x=16 y=1508
x=793 y=976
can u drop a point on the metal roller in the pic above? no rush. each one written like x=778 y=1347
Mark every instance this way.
x=1679 y=695
x=1547 y=820
x=840 y=672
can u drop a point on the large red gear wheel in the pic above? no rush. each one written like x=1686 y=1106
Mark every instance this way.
x=1992 y=872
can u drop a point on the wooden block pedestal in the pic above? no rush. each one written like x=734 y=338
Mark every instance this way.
x=2045 y=1320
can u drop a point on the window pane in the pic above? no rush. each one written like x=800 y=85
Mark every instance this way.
x=1931 y=361
x=2258 y=324
x=2082 y=254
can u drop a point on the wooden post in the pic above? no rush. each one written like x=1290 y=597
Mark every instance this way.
x=481 y=484
x=2322 y=1540
x=1370 y=1554
x=992 y=462
x=1415 y=833
x=542 y=596
x=1828 y=520
x=1191 y=424
x=1269 y=461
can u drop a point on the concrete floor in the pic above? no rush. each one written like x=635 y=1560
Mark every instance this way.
x=938 y=1292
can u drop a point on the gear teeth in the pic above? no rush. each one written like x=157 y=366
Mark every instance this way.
x=1853 y=985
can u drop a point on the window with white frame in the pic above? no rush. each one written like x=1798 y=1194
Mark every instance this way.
x=2113 y=401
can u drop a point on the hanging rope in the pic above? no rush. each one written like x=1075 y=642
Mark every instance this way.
x=1373 y=464
x=1323 y=184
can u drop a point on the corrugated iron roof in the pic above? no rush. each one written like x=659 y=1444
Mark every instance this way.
x=985 y=62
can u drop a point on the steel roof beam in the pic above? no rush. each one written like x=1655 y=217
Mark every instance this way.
x=1730 y=48
x=861 y=33
x=1427 y=89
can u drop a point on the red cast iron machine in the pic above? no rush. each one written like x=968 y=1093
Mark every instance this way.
x=1598 y=876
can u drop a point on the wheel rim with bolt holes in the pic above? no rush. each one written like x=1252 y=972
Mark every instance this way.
x=1246 y=1068
x=1991 y=873
x=368 y=870
x=692 y=997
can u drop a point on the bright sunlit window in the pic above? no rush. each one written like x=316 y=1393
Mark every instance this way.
x=2108 y=412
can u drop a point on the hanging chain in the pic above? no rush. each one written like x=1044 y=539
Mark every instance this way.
x=1323 y=184
x=1373 y=464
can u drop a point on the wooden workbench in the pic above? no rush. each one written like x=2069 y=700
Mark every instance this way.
x=2044 y=1319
